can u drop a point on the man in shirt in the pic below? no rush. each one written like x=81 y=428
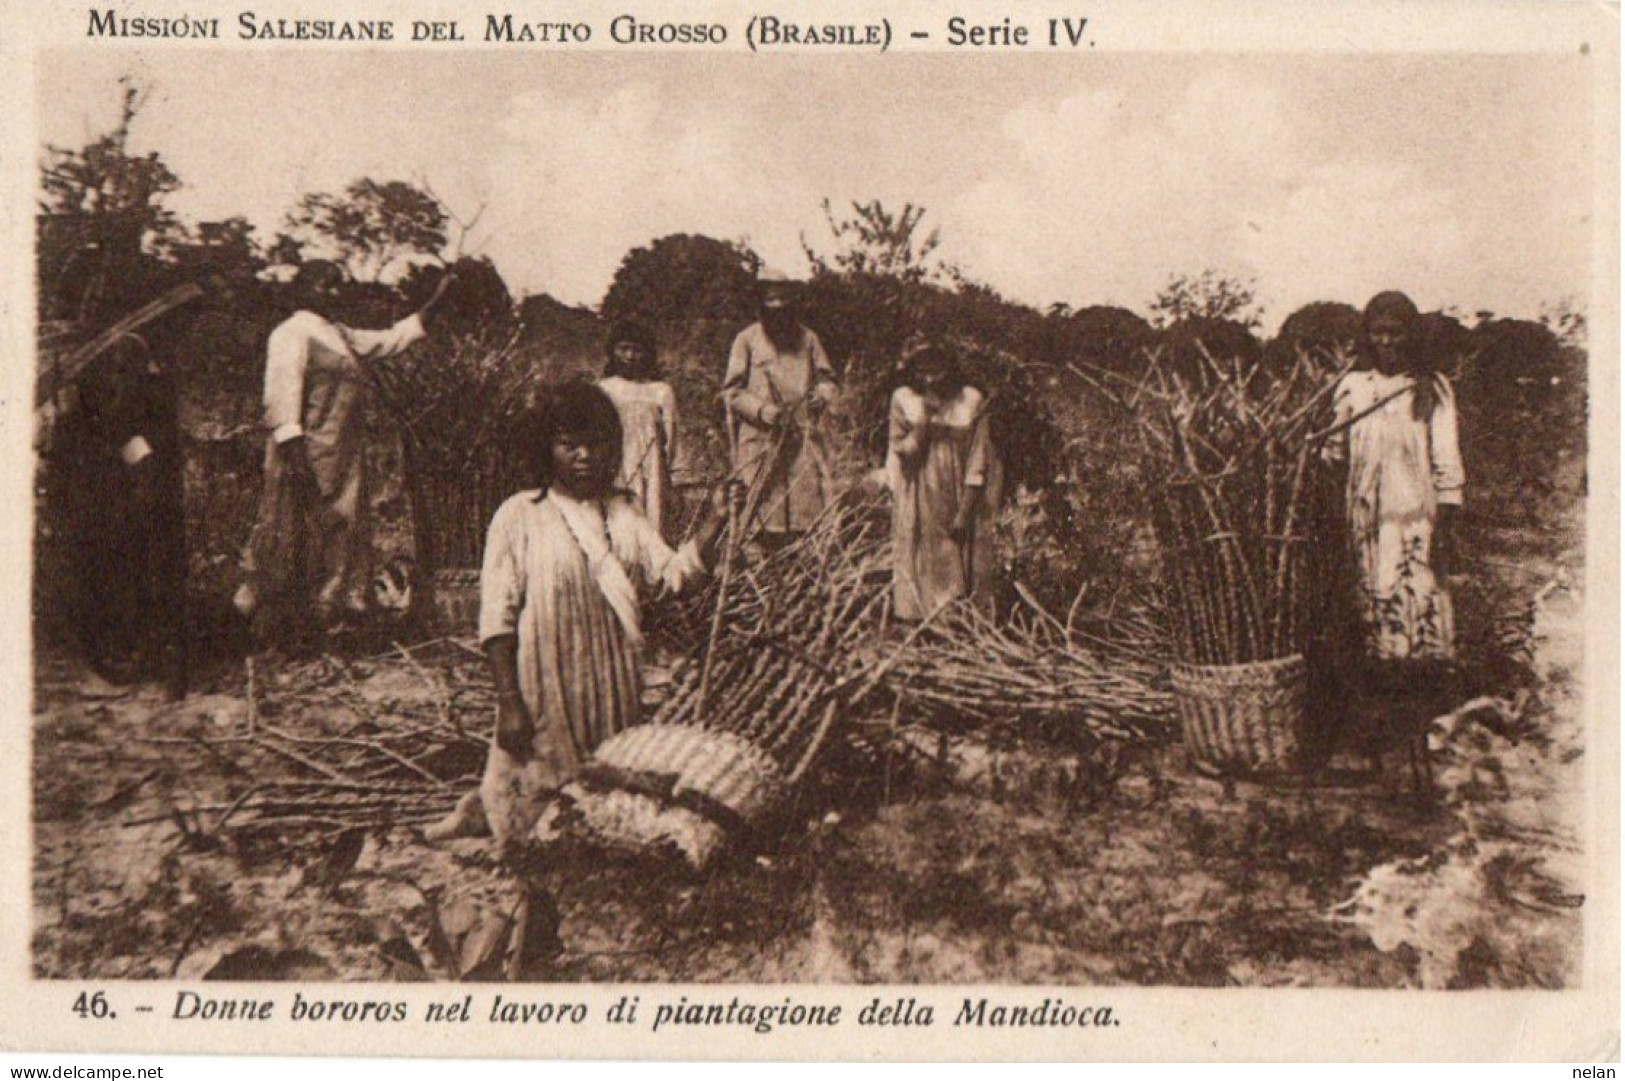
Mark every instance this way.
x=776 y=388
x=310 y=551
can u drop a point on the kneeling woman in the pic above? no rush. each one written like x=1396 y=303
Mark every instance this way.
x=560 y=613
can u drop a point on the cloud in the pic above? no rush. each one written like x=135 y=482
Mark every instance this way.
x=1348 y=230
x=1465 y=183
x=580 y=181
x=1106 y=198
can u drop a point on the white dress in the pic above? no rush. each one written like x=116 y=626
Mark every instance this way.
x=1400 y=469
x=758 y=376
x=933 y=461
x=315 y=387
x=648 y=413
x=558 y=574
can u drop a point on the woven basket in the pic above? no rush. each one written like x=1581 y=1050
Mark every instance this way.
x=1244 y=718
x=674 y=788
x=643 y=825
x=716 y=773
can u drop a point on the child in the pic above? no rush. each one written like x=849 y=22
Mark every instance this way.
x=940 y=458
x=560 y=615
x=648 y=411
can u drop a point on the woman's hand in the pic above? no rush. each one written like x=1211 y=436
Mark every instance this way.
x=964 y=523
x=295 y=456
x=515 y=730
x=911 y=437
x=728 y=493
x=709 y=531
x=817 y=405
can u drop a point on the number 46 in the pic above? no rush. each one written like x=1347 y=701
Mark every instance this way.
x=89 y=1005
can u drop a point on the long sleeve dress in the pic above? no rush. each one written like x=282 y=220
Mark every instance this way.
x=1400 y=470
x=648 y=414
x=558 y=574
x=760 y=375
x=933 y=461
x=315 y=388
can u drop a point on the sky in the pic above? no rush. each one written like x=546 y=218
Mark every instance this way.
x=1461 y=179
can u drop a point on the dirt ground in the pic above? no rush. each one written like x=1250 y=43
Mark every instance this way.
x=929 y=861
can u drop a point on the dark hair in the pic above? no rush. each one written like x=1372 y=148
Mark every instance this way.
x=943 y=359
x=1418 y=358
x=317 y=273
x=573 y=408
x=636 y=334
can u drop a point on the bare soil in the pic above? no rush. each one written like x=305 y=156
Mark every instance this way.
x=931 y=861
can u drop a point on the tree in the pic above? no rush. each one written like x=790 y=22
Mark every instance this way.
x=876 y=241
x=1208 y=295
x=681 y=278
x=1522 y=396
x=285 y=250
x=370 y=225
x=226 y=248
x=478 y=301
x=102 y=223
x=1443 y=339
x=1193 y=346
x=1322 y=327
x=1324 y=324
x=1107 y=337
x=1566 y=319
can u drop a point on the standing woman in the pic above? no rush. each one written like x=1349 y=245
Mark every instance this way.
x=309 y=554
x=776 y=389
x=1395 y=428
x=648 y=410
x=940 y=459
x=126 y=495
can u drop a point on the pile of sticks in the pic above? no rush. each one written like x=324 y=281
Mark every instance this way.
x=1035 y=672
x=458 y=414
x=791 y=648
x=805 y=641
x=795 y=633
x=456 y=407
x=323 y=755
x=1235 y=495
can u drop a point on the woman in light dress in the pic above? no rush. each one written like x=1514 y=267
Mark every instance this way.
x=941 y=466
x=560 y=615
x=1395 y=428
x=648 y=410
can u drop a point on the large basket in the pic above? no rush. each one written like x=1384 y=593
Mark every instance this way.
x=1244 y=718
x=667 y=787
x=717 y=774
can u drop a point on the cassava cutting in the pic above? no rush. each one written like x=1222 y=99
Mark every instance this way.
x=1035 y=671
x=1234 y=496
x=749 y=713
x=456 y=412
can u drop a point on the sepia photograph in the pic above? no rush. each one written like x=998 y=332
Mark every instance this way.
x=687 y=505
